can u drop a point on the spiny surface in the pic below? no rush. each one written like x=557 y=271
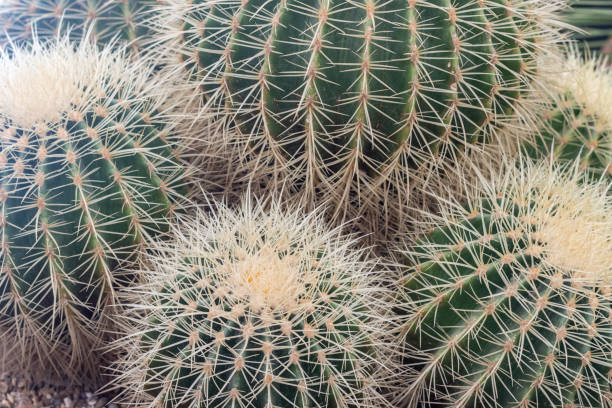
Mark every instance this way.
x=510 y=299
x=86 y=175
x=101 y=20
x=256 y=308
x=578 y=125
x=343 y=98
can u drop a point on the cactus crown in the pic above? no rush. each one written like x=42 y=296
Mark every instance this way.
x=572 y=222
x=87 y=173
x=510 y=296
x=588 y=82
x=255 y=307
x=42 y=84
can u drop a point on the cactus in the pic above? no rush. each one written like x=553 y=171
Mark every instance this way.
x=101 y=20
x=342 y=99
x=594 y=18
x=577 y=125
x=510 y=297
x=255 y=307
x=86 y=175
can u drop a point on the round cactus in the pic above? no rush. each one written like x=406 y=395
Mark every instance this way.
x=101 y=20
x=510 y=303
x=255 y=308
x=342 y=99
x=86 y=174
x=577 y=125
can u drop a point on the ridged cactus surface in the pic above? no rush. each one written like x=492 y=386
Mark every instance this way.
x=594 y=19
x=578 y=124
x=343 y=96
x=101 y=20
x=86 y=176
x=510 y=298
x=255 y=308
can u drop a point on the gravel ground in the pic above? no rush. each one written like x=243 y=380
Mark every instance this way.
x=17 y=391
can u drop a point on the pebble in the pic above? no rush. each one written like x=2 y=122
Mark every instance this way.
x=17 y=391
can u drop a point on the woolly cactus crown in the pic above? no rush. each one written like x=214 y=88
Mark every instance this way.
x=510 y=296
x=259 y=308
x=42 y=85
x=87 y=174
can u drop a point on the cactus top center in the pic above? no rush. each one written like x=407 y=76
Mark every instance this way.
x=42 y=85
x=266 y=279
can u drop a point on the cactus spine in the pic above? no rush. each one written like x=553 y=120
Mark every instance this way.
x=102 y=20
x=578 y=123
x=343 y=98
x=256 y=308
x=86 y=175
x=510 y=299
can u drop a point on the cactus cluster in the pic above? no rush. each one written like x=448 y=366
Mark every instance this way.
x=343 y=100
x=101 y=21
x=510 y=297
x=576 y=121
x=256 y=307
x=87 y=174
x=336 y=124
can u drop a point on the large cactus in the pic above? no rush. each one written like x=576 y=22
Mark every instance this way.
x=86 y=175
x=577 y=121
x=256 y=308
x=102 y=20
x=345 y=97
x=510 y=297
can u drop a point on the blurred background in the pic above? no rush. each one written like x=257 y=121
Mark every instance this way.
x=594 y=17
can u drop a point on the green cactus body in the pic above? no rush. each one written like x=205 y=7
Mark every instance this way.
x=78 y=193
x=577 y=126
x=346 y=95
x=254 y=314
x=103 y=20
x=594 y=17
x=505 y=312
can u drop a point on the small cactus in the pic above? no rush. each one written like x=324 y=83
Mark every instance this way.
x=577 y=125
x=86 y=175
x=255 y=308
x=510 y=299
x=100 y=20
x=342 y=100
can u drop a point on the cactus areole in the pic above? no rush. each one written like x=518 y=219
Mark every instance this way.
x=343 y=87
